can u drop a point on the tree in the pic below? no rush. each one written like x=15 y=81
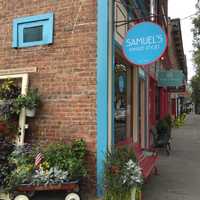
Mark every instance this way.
x=195 y=82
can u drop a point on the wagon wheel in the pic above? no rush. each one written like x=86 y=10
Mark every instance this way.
x=21 y=197
x=72 y=196
x=30 y=194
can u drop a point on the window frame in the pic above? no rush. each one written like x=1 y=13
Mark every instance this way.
x=19 y=24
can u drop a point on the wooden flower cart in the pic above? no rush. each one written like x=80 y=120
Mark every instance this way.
x=72 y=189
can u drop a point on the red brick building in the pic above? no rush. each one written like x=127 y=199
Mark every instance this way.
x=64 y=71
x=71 y=50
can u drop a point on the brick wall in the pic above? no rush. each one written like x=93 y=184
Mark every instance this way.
x=66 y=76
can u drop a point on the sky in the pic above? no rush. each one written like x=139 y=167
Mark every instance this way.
x=181 y=9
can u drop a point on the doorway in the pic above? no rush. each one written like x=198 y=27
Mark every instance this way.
x=123 y=102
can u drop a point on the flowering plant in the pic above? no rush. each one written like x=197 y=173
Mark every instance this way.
x=122 y=173
x=56 y=164
x=131 y=174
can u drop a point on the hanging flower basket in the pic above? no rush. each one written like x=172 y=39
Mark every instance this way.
x=30 y=112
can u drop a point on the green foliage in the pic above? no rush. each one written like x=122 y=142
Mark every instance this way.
x=179 y=121
x=22 y=158
x=163 y=126
x=169 y=120
x=51 y=176
x=8 y=90
x=6 y=148
x=121 y=171
x=195 y=82
x=56 y=155
x=30 y=101
x=60 y=163
x=21 y=175
x=68 y=158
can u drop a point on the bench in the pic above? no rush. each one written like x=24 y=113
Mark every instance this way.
x=146 y=159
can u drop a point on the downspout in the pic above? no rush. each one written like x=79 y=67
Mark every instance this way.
x=152 y=9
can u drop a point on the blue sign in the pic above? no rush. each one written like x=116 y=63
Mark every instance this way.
x=144 y=43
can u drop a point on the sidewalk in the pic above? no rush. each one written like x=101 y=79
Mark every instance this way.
x=179 y=174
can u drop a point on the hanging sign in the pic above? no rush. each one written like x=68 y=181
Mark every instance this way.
x=171 y=78
x=176 y=89
x=144 y=43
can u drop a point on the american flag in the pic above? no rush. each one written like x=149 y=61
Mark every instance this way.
x=38 y=159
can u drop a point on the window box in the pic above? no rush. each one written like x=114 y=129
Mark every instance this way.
x=33 y=30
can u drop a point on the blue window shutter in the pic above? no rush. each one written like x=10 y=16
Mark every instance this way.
x=15 y=35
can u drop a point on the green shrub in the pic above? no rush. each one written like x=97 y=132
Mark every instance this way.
x=29 y=101
x=163 y=126
x=180 y=120
x=169 y=120
x=68 y=158
x=59 y=163
x=121 y=174
x=6 y=148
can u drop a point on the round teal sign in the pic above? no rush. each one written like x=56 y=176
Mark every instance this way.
x=144 y=43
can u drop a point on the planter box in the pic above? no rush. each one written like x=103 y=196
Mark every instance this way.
x=23 y=192
x=30 y=113
x=71 y=186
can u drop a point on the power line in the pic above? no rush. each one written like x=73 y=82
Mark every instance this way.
x=189 y=16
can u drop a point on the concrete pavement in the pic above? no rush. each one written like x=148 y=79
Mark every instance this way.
x=179 y=174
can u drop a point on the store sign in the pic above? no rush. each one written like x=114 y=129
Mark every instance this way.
x=144 y=43
x=176 y=89
x=171 y=78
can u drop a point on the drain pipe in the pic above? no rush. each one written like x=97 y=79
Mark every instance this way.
x=152 y=9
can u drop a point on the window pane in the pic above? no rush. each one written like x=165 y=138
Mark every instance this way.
x=32 y=34
x=120 y=102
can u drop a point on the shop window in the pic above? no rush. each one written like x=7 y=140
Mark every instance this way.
x=33 y=30
x=123 y=95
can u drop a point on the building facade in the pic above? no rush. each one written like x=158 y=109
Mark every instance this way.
x=54 y=44
x=72 y=52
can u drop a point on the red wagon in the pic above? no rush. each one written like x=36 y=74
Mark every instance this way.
x=72 y=189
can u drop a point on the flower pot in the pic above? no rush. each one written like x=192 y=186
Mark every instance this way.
x=136 y=194
x=30 y=112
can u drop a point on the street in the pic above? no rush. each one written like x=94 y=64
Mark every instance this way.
x=179 y=173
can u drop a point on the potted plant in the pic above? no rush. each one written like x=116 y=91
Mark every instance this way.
x=57 y=165
x=123 y=177
x=30 y=102
x=9 y=91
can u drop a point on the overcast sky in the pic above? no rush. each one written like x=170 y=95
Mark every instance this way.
x=181 y=9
